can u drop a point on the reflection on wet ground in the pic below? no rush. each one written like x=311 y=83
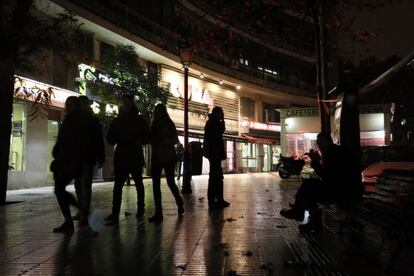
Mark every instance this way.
x=247 y=238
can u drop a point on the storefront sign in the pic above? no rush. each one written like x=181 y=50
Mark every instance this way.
x=375 y=108
x=260 y=126
x=90 y=73
x=198 y=120
x=195 y=93
x=299 y=112
x=58 y=95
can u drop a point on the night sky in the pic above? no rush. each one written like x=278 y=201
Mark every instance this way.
x=394 y=25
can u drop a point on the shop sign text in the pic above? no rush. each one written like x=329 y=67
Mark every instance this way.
x=300 y=112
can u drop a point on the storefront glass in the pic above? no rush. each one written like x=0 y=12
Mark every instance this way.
x=372 y=138
x=276 y=150
x=298 y=144
x=17 y=138
x=267 y=158
x=52 y=132
x=249 y=156
x=230 y=161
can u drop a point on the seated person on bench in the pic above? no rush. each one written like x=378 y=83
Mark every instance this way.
x=334 y=186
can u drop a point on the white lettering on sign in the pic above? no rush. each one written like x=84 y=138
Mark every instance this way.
x=300 y=112
x=111 y=109
x=260 y=126
x=198 y=120
x=195 y=93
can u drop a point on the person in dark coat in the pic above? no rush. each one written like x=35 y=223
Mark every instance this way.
x=127 y=132
x=334 y=185
x=214 y=151
x=163 y=140
x=67 y=159
x=93 y=151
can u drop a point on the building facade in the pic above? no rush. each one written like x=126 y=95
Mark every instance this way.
x=252 y=135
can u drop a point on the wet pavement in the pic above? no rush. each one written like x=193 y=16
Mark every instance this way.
x=247 y=238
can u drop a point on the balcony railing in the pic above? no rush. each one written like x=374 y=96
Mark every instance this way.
x=130 y=20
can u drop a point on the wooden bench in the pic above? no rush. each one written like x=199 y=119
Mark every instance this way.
x=387 y=209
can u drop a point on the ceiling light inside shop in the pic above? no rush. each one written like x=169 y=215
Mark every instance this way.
x=201 y=76
x=221 y=81
x=238 y=87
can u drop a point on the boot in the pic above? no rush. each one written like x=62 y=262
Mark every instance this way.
x=293 y=213
x=140 y=213
x=111 y=220
x=157 y=217
x=66 y=227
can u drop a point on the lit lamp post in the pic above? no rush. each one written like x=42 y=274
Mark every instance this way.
x=186 y=55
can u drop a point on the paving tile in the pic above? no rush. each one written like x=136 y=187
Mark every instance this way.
x=247 y=238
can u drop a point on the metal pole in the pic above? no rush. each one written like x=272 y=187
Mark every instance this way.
x=186 y=188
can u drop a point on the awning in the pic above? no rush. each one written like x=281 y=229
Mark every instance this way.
x=261 y=140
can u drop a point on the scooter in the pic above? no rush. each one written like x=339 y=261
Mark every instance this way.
x=288 y=166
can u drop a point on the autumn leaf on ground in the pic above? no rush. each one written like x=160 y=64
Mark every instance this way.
x=183 y=267
x=222 y=245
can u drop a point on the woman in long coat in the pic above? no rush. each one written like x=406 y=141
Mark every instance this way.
x=163 y=140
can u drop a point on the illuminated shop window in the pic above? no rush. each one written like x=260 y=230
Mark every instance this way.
x=298 y=144
x=249 y=155
x=372 y=138
x=17 y=138
x=52 y=132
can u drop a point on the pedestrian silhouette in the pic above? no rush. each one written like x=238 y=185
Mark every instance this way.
x=127 y=132
x=214 y=151
x=67 y=159
x=333 y=184
x=179 y=150
x=163 y=140
x=93 y=153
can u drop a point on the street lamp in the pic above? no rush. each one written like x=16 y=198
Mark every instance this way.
x=186 y=56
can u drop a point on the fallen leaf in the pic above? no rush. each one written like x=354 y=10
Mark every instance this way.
x=127 y=214
x=222 y=245
x=230 y=219
x=248 y=253
x=294 y=263
x=201 y=198
x=183 y=267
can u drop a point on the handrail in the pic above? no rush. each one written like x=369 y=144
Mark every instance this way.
x=124 y=17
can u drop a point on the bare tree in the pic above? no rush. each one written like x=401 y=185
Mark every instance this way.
x=329 y=16
x=25 y=32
